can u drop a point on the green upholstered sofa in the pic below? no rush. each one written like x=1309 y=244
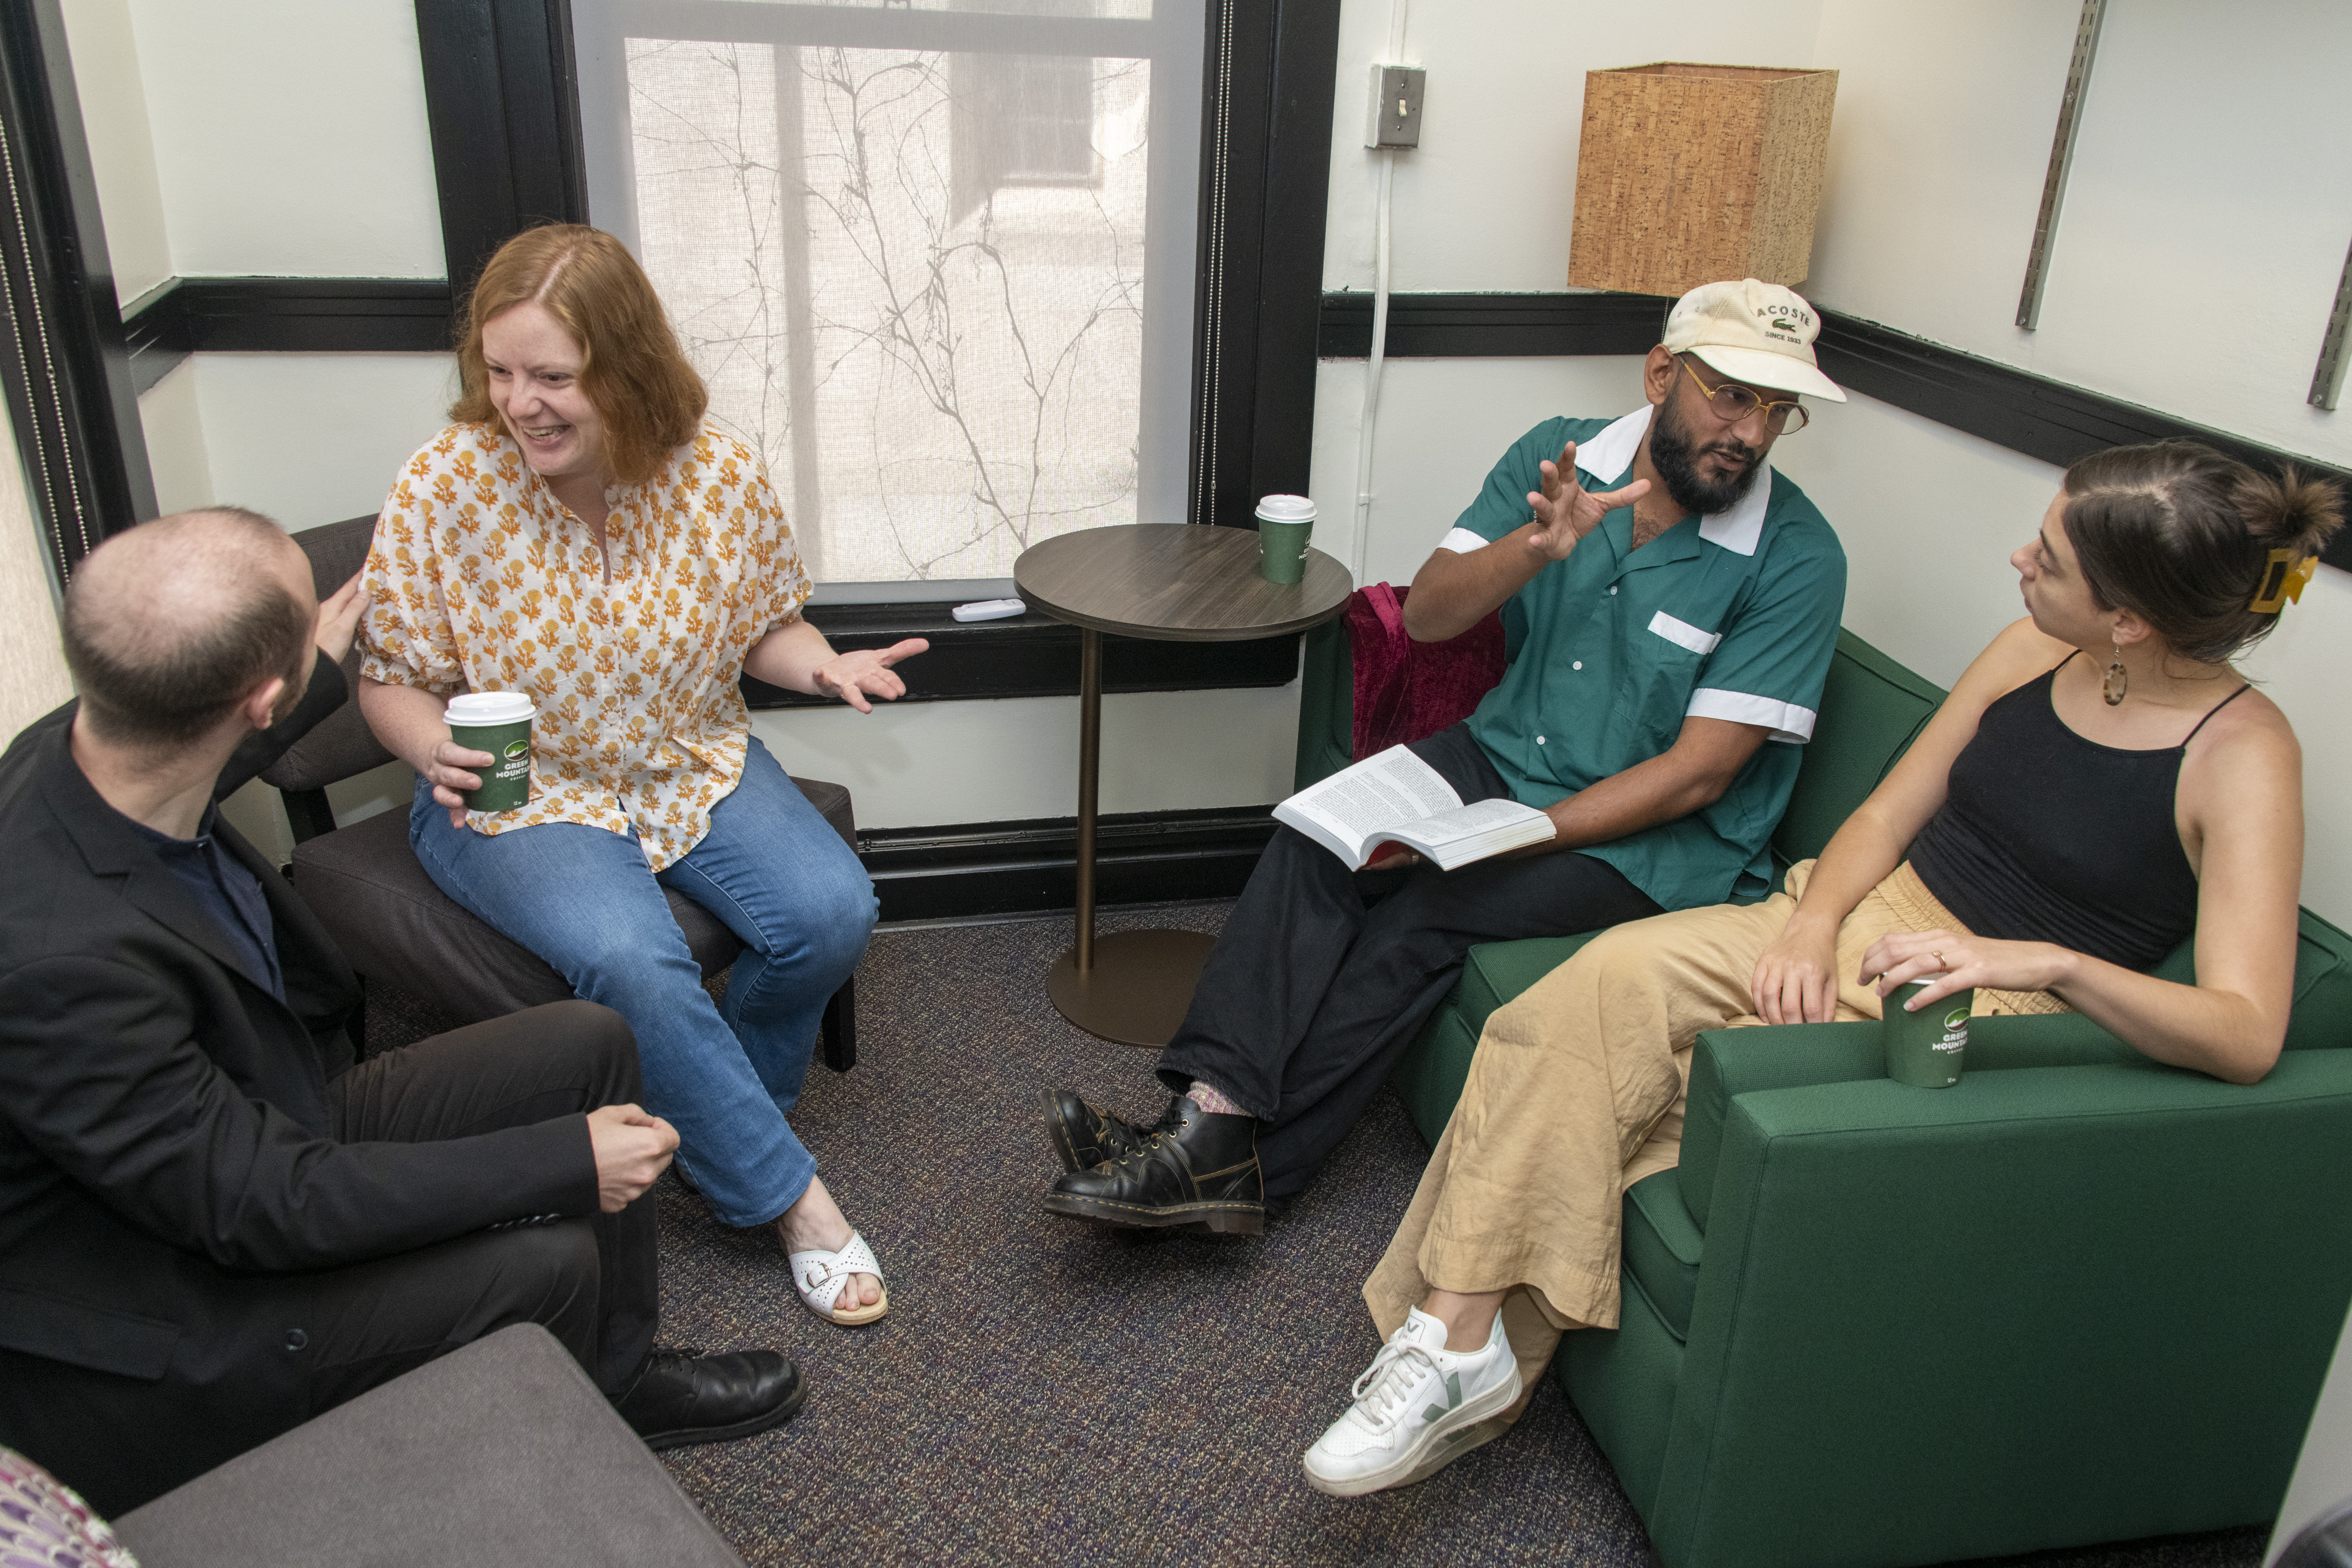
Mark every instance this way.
x=2078 y=1296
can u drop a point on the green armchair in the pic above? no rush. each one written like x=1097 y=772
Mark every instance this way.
x=2078 y=1296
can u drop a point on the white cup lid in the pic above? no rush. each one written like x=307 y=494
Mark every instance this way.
x=1286 y=509
x=490 y=708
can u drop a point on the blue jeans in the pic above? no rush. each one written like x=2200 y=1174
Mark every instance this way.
x=724 y=1076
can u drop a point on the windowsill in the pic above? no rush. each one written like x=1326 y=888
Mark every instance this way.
x=1032 y=654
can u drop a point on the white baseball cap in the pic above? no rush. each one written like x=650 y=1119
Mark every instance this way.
x=1755 y=332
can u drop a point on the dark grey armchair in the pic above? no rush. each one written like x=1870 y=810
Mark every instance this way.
x=499 y=1455
x=396 y=927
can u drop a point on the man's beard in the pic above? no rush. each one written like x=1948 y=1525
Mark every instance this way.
x=1676 y=457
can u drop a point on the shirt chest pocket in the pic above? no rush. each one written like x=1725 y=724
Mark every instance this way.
x=1663 y=663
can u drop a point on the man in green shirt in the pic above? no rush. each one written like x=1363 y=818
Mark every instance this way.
x=1670 y=605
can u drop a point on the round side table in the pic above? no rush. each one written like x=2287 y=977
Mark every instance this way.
x=1176 y=583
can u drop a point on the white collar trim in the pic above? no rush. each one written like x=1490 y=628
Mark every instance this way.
x=1611 y=453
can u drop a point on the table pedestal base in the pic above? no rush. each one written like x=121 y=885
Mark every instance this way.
x=1138 y=989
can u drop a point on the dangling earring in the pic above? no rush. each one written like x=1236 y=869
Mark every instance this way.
x=2118 y=682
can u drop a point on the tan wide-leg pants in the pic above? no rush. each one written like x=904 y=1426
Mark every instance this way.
x=1577 y=1092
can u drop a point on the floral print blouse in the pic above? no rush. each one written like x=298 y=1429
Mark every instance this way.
x=481 y=580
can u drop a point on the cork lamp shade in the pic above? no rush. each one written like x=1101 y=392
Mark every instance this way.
x=1689 y=174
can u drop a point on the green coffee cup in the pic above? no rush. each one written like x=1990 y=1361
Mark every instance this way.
x=1927 y=1049
x=1285 y=523
x=497 y=723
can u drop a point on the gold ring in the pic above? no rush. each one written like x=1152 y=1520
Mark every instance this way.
x=1940 y=958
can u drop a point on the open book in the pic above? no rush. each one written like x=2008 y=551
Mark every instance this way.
x=1394 y=796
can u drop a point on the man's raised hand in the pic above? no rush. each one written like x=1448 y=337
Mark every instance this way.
x=866 y=672
x=1565 y=512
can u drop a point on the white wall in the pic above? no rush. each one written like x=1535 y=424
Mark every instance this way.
x=289 y=137
x=2195 y=260
x=312 y=438
x=1485 y=202
x=122 y=145
x=935 y=763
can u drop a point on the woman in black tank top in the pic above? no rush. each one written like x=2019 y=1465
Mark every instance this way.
x=2073 y=819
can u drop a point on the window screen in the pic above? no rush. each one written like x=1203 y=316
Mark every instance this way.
x=936 y=261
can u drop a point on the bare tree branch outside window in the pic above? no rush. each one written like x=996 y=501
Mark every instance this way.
x=914 y=280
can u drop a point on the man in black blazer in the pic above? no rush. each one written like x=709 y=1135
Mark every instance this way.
x=213 y=1225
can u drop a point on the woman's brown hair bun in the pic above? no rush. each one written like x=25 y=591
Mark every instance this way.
x=2181 y=535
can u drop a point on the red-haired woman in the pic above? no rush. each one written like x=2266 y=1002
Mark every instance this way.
x=579 y=535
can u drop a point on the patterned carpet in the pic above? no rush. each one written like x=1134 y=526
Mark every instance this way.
x=1043 y=1392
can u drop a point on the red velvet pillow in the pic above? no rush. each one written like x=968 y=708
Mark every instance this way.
x=1405 y=690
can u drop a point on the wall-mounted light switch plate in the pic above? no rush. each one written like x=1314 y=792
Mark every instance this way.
x=1395 y=118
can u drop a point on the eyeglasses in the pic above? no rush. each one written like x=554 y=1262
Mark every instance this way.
x=1733 y=403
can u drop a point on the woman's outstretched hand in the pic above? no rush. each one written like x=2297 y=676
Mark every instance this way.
x=866 y=672
x=1796 y=978
x=1966 y=962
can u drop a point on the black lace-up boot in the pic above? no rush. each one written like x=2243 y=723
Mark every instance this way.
x=1198 y=1169
x=1086 y=1135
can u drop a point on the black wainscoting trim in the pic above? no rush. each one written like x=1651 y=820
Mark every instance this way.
x=64 y=365
x=502 y=100
x=2009 y=407
x=1495 y=326
x=1005 y=867
x=1029 y=656
x=296 y=315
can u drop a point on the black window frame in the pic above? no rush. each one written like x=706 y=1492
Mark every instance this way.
x=502 y=98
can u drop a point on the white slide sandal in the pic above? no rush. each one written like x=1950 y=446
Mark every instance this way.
x=820 y=1277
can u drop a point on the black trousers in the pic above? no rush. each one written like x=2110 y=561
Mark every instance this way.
x=1322 y=975
x=590 y=1282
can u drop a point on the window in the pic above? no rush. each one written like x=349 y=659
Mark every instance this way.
x=936 y=262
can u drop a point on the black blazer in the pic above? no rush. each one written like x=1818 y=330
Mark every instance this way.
x=168 y=1179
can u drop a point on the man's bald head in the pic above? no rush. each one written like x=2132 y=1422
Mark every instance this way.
x=170 y=625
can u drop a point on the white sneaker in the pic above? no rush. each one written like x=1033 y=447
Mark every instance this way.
x=1418 y=1408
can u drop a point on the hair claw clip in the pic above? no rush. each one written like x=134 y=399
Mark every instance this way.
x=2283 y=581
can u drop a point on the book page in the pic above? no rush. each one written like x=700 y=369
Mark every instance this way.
x=1432 y=834
x=1486 y=828
x=1377 y=794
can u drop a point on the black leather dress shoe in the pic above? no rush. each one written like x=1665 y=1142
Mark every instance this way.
x=683 y=1396
x=1198 y=1169
x=1086 y=1135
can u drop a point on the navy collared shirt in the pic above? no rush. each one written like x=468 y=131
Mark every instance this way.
x=228 y=892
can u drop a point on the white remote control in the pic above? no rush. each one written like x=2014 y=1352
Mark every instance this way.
x=989 y=610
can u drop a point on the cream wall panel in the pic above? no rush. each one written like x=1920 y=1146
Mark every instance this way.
x=928 y=764
x=312 y=438
x=122 y=149
x=171 y=415
x=289 y=137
